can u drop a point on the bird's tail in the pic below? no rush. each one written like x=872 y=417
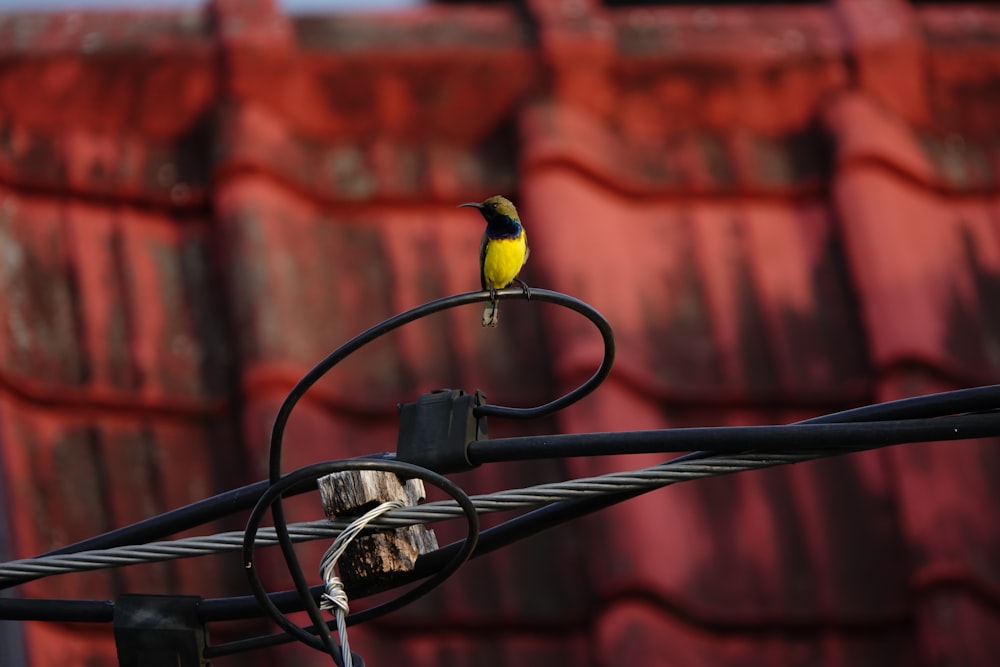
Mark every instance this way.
x=491 y=314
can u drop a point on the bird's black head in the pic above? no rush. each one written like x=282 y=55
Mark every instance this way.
x=498 y=211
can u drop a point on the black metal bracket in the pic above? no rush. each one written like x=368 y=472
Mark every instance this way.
x=159 y=631
x=436 y=431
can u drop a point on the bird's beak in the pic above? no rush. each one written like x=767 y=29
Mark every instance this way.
x=473 y=204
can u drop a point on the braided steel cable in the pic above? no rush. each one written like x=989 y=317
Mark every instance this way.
x=644 y=479
x=187 y=547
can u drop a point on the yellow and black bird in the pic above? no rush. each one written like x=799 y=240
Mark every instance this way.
x=502 y=253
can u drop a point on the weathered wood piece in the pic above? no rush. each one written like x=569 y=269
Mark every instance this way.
x=369 y=562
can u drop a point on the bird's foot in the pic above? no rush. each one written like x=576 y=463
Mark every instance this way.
x=524 y=288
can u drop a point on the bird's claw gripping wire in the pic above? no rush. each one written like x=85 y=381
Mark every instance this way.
x=524 y=288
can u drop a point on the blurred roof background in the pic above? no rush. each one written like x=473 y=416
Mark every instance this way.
x=290 y=6
x=783 y=210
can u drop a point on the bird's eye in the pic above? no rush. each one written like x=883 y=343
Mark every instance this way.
x=494 y=205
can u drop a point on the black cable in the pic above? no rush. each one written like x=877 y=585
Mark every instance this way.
x=930 y=406
x=945 y=403
x=178 y=520
x=977 y=398
x=171 y=522
x=163 y=525
x=243 y=498
x=174 y=521
x=306 y=595
x=252 y=643
x=243 y=607
x=535 y=521
x=58 y=611
x=734 y=439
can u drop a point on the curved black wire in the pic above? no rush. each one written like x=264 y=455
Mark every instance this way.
x=607 y=336
x=368 y=336
x=395 y=322
x=313 y=472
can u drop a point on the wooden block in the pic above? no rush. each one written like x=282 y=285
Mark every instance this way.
x=370 y=560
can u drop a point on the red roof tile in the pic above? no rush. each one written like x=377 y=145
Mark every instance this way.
x=717 y=317
x=640 y=632
x=782 y=212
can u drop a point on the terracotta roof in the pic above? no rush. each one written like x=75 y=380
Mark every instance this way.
x=783 y=211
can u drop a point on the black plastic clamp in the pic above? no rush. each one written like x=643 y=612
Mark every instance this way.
x=159 y=631
x=436 y=431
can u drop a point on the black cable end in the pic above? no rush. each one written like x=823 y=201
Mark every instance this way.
x=437 y=430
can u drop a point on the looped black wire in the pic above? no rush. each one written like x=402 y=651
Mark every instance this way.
x=380 y=329
x=274 y=493
x=393 y=323
x=587 y=387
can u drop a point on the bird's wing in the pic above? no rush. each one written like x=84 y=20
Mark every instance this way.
x=482 y=260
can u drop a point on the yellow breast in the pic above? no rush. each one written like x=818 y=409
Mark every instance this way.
x=503 y=260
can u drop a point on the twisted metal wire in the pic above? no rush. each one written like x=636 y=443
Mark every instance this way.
x=335 y=597
x=187 y=547
x=644 y=479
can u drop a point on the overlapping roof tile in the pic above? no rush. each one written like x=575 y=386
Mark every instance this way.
x=781 y=211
